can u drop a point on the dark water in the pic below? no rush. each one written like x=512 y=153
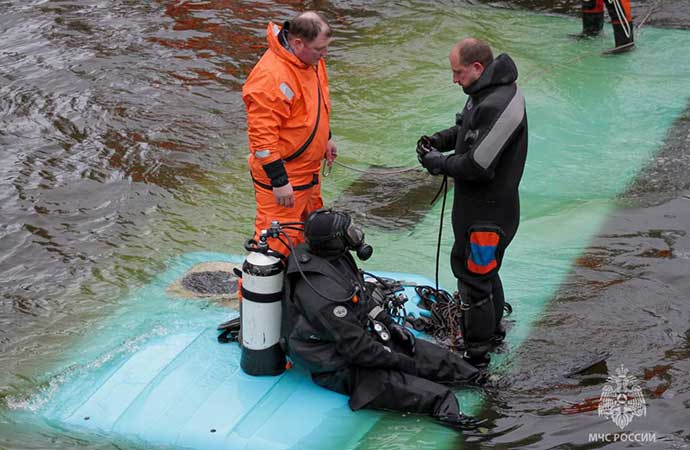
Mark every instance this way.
x=121 y=124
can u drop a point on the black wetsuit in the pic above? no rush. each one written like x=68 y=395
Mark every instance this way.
x=490 y=143
x=332 y=338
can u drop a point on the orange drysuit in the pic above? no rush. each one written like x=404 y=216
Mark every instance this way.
x=288 y=109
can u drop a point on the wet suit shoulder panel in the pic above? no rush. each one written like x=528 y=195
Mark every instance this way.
x=495 y=121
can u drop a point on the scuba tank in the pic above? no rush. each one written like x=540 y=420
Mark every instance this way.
x=261 y=308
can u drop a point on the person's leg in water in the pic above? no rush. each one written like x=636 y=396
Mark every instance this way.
x=592 y=17
x=419 y=393
x=622 y=23
x=499 y=307
x=478 y=319
x=399 y=391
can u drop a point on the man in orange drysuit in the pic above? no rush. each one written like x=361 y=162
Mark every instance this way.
x=621 y=21
x=288 y=109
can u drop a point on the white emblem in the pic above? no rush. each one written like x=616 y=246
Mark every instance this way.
x=340 y=311
x=285 y=89
x=622 y=399
x=469 y=104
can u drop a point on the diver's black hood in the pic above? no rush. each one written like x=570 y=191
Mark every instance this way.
x=500 y=72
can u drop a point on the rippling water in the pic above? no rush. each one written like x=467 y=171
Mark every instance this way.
x=122 y=137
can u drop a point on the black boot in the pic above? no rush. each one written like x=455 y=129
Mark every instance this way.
x=479 y=358
x=499 y=335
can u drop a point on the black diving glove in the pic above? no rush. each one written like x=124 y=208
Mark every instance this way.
x=403 y=337
x=424 y=146
x=433 y=162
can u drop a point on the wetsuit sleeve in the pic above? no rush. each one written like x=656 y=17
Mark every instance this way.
x=267 y=107
x=444 y=140
x=338 y=323
x=356 y=344
x=496 y=122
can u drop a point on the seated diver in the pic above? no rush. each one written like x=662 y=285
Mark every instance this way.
x=350 y=344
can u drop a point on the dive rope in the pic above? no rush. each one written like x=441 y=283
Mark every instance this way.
x=326 y=170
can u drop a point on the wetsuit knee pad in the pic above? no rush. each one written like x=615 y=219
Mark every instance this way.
x=484 y=251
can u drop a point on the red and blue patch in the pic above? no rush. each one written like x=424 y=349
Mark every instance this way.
x=483 y=248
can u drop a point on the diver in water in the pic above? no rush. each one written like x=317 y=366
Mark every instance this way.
x=621 y=21
x=350 y=344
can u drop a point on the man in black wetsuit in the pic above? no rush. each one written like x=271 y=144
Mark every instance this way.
x=489 y=140
x=334 y=327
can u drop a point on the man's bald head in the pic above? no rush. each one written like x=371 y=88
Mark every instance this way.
x=309 y=25
x=309 y=37
x=471 y=50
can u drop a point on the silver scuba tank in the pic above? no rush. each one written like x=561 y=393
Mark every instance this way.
x=261 y=311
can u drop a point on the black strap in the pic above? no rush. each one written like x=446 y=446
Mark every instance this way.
x=303 y=187
x=316 y=125
x=229 y=331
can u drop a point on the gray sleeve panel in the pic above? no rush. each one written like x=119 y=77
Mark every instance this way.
x=509 y=121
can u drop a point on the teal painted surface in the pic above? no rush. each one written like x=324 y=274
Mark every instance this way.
x=179 y=386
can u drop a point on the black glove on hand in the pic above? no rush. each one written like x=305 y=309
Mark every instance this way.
x=403 y=337
x=433 y=162
x=424 y=146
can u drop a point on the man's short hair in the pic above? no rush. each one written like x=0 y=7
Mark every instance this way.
x=473 y=50
x=308 y=25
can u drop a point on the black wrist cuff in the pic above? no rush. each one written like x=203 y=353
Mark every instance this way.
x=434 y=138
x=276 y=172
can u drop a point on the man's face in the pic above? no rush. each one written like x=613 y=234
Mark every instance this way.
x=464 y=75
x=311 y=52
